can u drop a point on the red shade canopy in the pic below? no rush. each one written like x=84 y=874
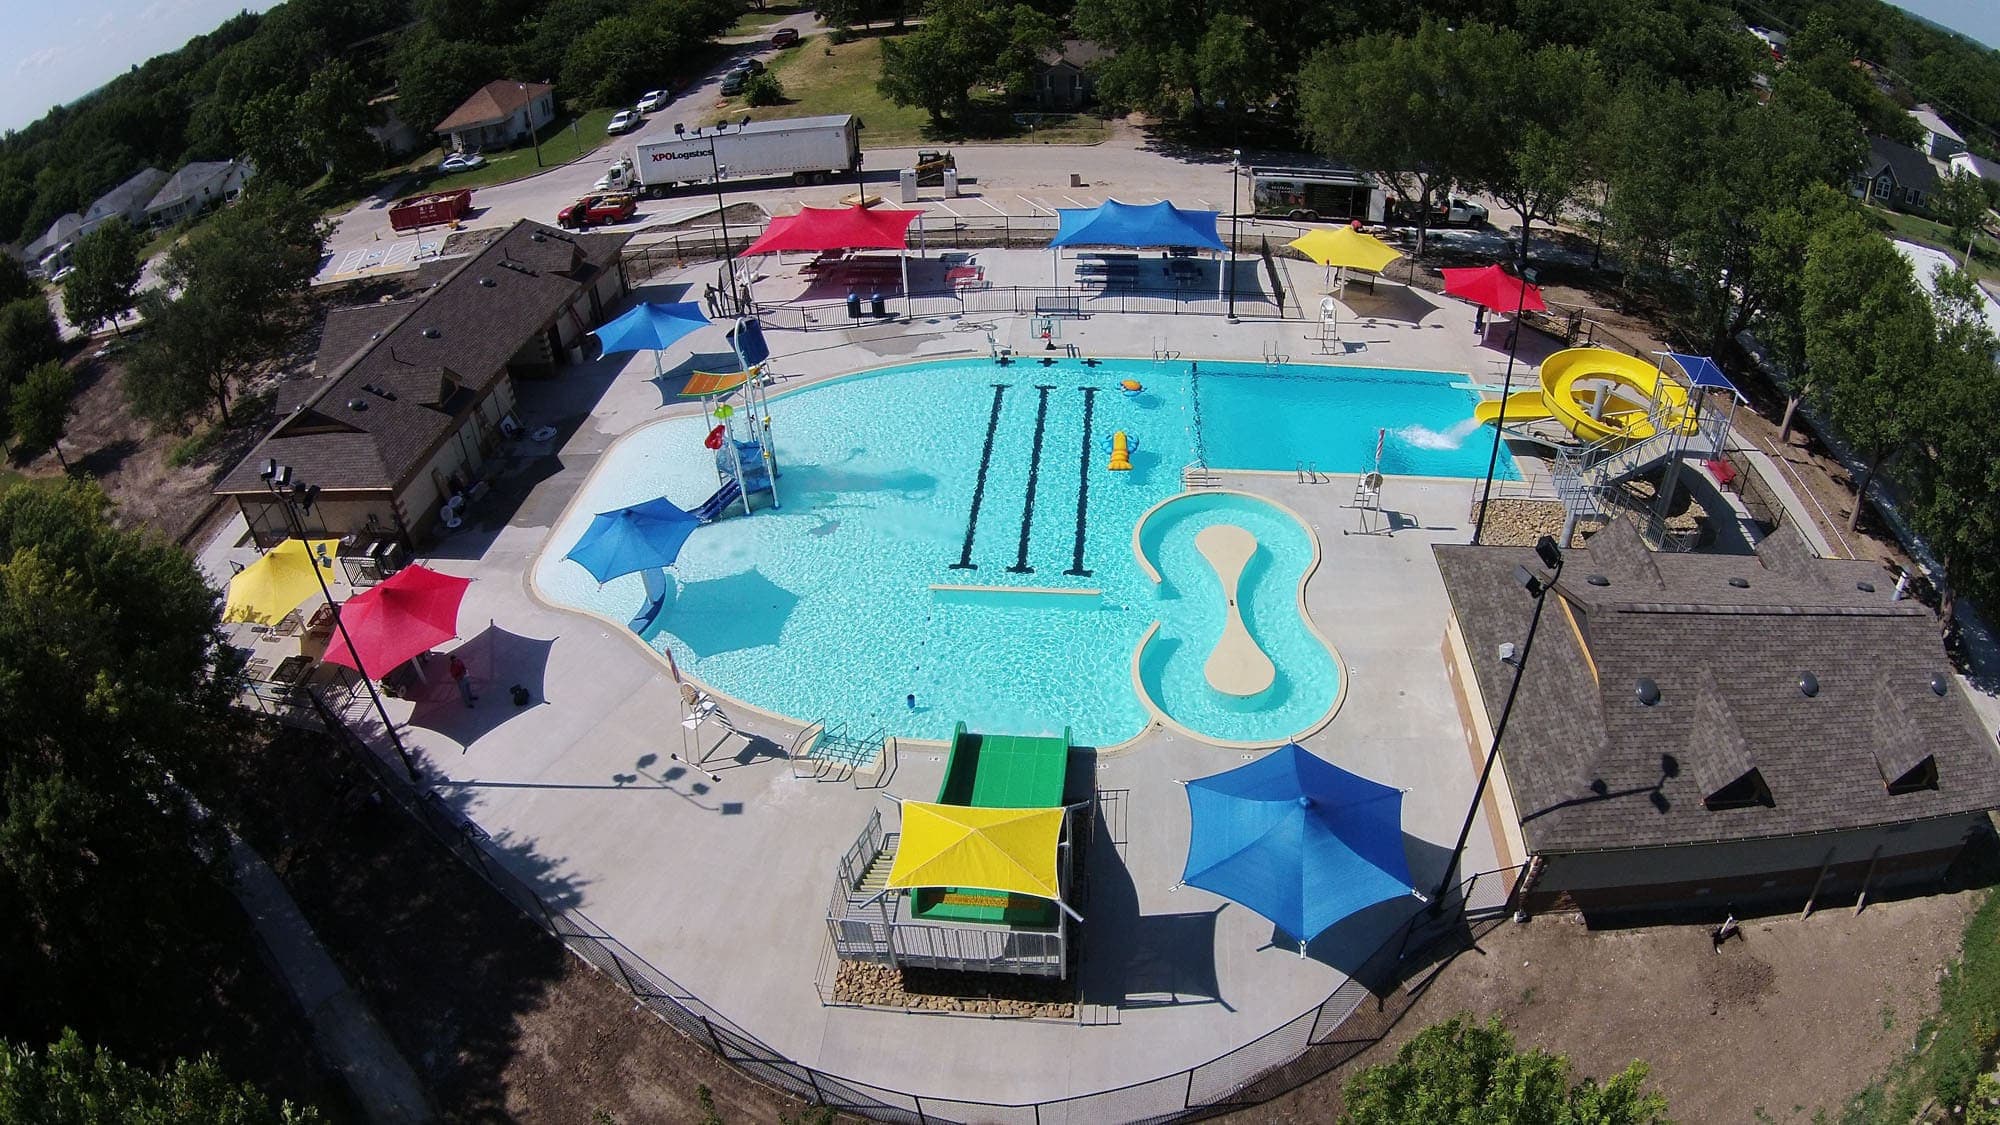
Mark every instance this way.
x=411 y=612
x=836 y=228
x=1493 y=287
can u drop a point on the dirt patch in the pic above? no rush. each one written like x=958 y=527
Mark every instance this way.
x=1788 y=1020
x=499 y=1020
x=749 y=214
x=990 y=994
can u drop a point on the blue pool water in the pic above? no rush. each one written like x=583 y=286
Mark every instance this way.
x=1191 y=611
x=824 y=608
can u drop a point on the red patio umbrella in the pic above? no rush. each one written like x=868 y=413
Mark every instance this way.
x=1493 y=287
x=411 y=612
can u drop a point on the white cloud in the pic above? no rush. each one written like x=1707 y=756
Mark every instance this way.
x=44 y=58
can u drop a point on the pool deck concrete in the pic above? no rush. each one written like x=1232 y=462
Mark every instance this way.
x=722 y=882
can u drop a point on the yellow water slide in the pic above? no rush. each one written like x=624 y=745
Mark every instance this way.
x=1596 y=393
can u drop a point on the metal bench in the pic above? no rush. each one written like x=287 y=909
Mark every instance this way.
x=1059 y=306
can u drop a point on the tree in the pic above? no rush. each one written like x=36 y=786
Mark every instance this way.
x=1232 y=62
x=1153 y=44
x=70 y=1084
x=252 y=256
x=14 y=280
x=28 y=336
x=763 y=90
x=1960 y=203
x=40 y=410
x=1869 y=340
x=962 y=43
x=1460 y=1072
x=114 y=689
x=104 y=270
x=194 y=346
x=1543 y=106
x=615 y=60
x=1402 y=108
x=333 y=117
x=435 y=73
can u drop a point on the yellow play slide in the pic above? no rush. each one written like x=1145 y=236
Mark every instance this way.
x=1595 y=393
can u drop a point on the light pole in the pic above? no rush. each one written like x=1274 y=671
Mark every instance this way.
x=1235 y=174
x=1506 y=389
x=296 y=497
x=534 y=135
x=1537 y=588
x=722 y=212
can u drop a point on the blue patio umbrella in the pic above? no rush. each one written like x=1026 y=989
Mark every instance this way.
x=1297 y=839
x=651 y=326
x=641 y=537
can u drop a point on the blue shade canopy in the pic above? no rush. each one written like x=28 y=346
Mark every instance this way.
x=1297 y=839
x=1702 y=372
x=1128 y=224
x=651 y=327
x=641 y=537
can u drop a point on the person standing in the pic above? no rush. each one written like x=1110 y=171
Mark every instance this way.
x=1479 y=320
x=463 y=678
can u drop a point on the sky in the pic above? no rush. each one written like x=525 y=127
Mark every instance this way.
x=54 y=51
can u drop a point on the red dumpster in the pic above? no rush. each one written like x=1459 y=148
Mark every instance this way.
x=430 y=210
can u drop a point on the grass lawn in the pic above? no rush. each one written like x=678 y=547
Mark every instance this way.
x=561 y=144
x=820 y=77
x=757 y=19
x=1912 y=228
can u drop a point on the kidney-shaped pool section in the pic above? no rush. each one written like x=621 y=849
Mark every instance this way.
x=1183 y=665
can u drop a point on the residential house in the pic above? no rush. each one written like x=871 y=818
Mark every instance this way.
x=410 y=397
x=50 y=252
x=1940 y=140
x=1064 y=82
x=127 y=201
x=1975 y=165
x=500 y=114
x=1895 y=175
x=195 y=188
x=1712 y=732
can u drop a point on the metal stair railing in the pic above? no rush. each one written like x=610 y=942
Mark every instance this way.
x=1582 y=474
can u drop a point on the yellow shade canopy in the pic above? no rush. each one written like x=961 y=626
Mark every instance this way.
x=274 y=585
x=1346 y=247
x=1009 y=851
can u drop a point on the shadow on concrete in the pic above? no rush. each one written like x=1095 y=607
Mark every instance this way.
x=497 y=661
x=1133 y=961
x=1389 y=301
x=1353 y=944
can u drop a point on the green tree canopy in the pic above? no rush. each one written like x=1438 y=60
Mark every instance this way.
x=113 y=686
x=70 y=1084
x=104 y=270
x=40 y=409
x=962 y=43
x=435 y=73
x=14 y=280
x=1465 y=1073
x=1960 y=202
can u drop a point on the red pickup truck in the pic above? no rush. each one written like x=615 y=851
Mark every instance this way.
x=594 y=210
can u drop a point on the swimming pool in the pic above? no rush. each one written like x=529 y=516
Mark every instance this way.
x=825 y=607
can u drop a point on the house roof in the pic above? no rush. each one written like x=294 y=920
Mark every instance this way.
x=1977 y=165
x=1079 y=53
x=1591 y=767
x=395 y=379
x=188 y=181
x=58 y=232
x=128 y=196
x=1911 y=168
x=1932 y=123
x=492 y=103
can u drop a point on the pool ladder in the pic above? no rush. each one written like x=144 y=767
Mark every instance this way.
x=1308 y=473
x=1197 y=476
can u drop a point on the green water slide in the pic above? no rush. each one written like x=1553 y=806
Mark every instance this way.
x=997 y=771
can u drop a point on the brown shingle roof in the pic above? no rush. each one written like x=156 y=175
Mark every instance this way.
x=1591 y=767
x=492 y=103
x=435 y=356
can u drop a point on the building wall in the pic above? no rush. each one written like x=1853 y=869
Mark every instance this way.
x=1750 y=872
x=335 y=515
x=465 y=453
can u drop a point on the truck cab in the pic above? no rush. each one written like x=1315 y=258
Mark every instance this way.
x=594 y=210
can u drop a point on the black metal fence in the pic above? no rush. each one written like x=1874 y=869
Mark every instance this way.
x=1342 y=1025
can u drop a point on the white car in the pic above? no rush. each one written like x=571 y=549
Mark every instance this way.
x=624 y=121
x=461 y=162
x=654 y=101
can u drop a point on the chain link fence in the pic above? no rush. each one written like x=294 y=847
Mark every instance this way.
x=1348 y=1021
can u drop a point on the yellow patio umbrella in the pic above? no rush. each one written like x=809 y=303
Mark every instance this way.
x=1007 y=851
x=1346 y=248
x=274 y=585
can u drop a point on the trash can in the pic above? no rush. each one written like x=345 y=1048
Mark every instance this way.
x=907 y=178
x=853 y=305
x=951 y=183
x=875 y=304
x=1076 y=179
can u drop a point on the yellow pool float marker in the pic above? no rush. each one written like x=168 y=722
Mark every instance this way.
x=1121 y=453
x=1596 y=393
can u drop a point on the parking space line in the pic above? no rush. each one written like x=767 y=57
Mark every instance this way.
x=989 y=204
x=946 y=208
x=1074 y=203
